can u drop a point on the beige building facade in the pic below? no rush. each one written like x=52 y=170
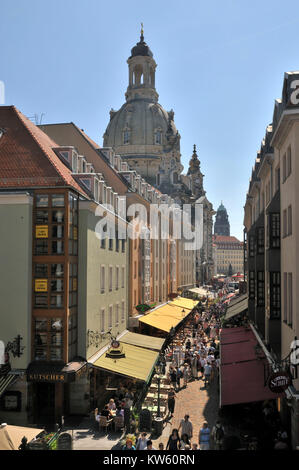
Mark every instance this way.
x=271 y=237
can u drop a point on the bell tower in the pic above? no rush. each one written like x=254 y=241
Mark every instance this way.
x=142 y=70
x=196 y=175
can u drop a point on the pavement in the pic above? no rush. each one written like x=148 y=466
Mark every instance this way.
x=200 y=403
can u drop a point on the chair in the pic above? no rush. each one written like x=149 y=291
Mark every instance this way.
x=104 y=422
x=119 y=423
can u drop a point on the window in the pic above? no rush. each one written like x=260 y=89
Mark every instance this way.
x=102 y=279
x=123 y=277
x=57 y=200
x=251 y=246
x=110 y=278
x=102 y=320
x=260 y=288
x=289 y=162
x=135 y=269
x=41 y=247
x=251 y=285
x=48 y=339
x=126 y=136
x=123 y=311
x=158 y=137
x=260 y=240
x=110 y=316
x=285 y=223
x=117 y=314
x=274 y=230
x=290 y=220
x=116 y=277
x=290 y=299
x=275 y=295
x=277 y=179
x=103 y=242
x=42 y=200
x=123 y=246
x=41 y=217
x=284 y=168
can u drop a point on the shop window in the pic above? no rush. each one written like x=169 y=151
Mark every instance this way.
x=42 y=200
x=58 y=216
x=57 y=200
x=41 y=217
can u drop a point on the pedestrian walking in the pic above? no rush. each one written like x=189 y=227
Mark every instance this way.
x=171 y=400
x=186 y=427
x=173 y=441
x=204 y=437
x=207 y=373
x=218 y=435
x=185 y=374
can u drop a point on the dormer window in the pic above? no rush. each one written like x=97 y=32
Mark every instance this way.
x=158 y=137
x=126 y=136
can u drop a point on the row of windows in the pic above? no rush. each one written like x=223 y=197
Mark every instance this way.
x=112 y=320
x=118 y=285
x=157 y=137
x=117 y=244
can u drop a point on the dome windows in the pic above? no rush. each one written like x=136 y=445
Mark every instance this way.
x=158 y=137
x=126 y=136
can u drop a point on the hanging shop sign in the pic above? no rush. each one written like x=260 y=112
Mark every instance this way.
x=41 y=285
x=279 y=381
x=41 y=231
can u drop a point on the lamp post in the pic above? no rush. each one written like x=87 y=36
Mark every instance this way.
x=172 y=333
x=158 y=369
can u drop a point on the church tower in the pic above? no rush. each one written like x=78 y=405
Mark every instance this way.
x=142 y=132
x=196 y=175
x=222 y=226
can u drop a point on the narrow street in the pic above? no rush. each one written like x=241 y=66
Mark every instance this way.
x=200 y=403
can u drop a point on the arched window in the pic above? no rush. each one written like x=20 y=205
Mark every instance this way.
x=126 y=136
x=158 y=137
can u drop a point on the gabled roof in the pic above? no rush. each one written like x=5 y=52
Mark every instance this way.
x=27 y=158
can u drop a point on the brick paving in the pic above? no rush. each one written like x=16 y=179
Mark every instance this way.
x=199 y=402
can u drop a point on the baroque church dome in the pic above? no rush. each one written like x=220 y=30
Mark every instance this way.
x=142 y=131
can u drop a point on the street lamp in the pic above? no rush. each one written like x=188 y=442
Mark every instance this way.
x=158 y=369
x=172 y=333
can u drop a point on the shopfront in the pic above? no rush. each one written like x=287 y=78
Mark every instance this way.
x=49 y=390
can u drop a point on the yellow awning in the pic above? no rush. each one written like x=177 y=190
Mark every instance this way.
x=137 y=363
x=144 y=341
x=184 y=303
x=165 y=317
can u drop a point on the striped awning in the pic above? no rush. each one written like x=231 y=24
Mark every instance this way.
x=5 y=381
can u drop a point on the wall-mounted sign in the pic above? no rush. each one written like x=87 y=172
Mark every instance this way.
x=31 y=377
x=74 y=283
x=279 y=381
x=75 y=233
x=41 y=285
x=41 y=231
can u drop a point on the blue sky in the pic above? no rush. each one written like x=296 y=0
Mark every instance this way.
x=220 y=67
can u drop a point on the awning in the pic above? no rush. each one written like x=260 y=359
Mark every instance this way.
x=241 y=370
x=237 y=306
x=11 y=436
x=183 y=302
x=137 y=363
x=145 y=341
x=165 y=317
x=5 y=381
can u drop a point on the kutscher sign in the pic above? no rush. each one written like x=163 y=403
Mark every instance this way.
x=279 y=381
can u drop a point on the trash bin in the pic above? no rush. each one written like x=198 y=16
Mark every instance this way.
x=158 y=426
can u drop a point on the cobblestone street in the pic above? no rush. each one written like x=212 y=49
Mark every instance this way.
x=200 y=403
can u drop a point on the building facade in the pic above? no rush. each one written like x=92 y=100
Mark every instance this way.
x=271 y=243
x=228 y=254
